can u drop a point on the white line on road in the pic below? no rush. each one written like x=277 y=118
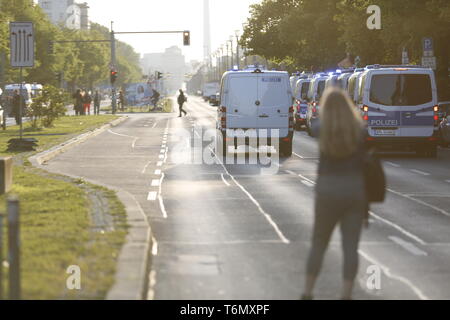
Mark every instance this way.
x=157 y=172
x=126 y=136
x=224 y=181
x=297 y=155
x=160 y=198
x=408 y=246
x=393 y=164
x=420 y=202
x=161 y=156
x=256 y=203
x=397 y=227
x=162 y=151
x=159 y=164
x=146 y=166
x=155 y=182
x=389 y=274
x=152 y=196
x=308 y=183
x=420 y=172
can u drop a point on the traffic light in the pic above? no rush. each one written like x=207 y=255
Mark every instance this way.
x=50 y=48
x=186 y=38
x=113 y=76
x=158 y=75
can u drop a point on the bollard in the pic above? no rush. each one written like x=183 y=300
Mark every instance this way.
x=1 y=256
x=13 y=248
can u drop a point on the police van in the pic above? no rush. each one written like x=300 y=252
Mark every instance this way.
x=400 y=106
x=300 y=102
x=255 y=101
x=316 y=89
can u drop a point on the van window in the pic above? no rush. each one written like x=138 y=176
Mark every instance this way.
x=362 y=84
x=401 y=89
x=242 y=91
x=271 y=89
x=320 y=89
x=351 y=87
x=305 y=89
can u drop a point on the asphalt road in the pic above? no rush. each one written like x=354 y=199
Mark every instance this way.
x=235 y=232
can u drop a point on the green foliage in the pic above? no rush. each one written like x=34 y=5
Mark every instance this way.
x=318 y=34
x=47 y=107
x=83 y=64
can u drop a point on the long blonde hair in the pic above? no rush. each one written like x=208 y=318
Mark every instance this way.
x=340 y=124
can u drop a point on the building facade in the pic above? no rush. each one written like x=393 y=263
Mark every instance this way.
x=66 y=13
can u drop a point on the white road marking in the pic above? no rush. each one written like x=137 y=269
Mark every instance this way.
x=408 y=246
x=159 y=164
x=397 y=227
x=161 y=156
x=155 y=182
x=157 y=172
x=393 y=164
x=152 y=196
x=297 y=155
x=161 y=205
x=308 y=183
x=154 y=247
x=154 y=125
x=146 y=166
x=256 y=203
x=126 y=136
x=420 y=202
x=389 y=274
x=224 y=181
x=420 y=172
x=151 y=285
x=162 y=151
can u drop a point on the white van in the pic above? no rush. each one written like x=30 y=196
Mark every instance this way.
x=301 y=102
x=400 y=106
x=256 y=101
x=353 y=84
x=316 y=89
x=210 y=89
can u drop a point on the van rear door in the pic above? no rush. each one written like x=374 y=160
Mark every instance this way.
x=404 y=102
x=242 y=96
x=274 y=101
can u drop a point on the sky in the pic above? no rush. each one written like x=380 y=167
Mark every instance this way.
x=155 y=15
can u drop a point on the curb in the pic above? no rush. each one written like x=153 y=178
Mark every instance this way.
x=133 y=263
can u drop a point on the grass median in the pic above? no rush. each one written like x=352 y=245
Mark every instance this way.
x=57 y=225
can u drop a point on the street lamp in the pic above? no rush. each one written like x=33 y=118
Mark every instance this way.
x=226 y=58
x=238 y=60
x=231 y=51
x=244 y=26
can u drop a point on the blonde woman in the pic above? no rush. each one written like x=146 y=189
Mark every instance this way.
x=340 y=190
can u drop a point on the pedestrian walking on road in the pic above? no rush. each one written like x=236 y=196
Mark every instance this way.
x=181 y=100
x=97 y=100
x=17 y=104
x=340 y=190
x=78 y=105
x=87 y=99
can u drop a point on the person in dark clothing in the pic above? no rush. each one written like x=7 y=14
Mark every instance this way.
x=181 y=100
x=121 y=100
x=97 y=100
x=18 y=104
x=78 y=105
x=87 y=100
x=155 y=97
x=340 y=190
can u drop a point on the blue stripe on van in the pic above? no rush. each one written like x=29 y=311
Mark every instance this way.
x=400 y=118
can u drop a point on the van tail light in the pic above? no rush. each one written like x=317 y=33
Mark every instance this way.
x=314 y=110
x=223 y=117
x=291 y=109
x=291 y=118
x=365 y=109
x=223 y=109
x=436 y=116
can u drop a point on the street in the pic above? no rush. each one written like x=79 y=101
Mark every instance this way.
x=231 y=232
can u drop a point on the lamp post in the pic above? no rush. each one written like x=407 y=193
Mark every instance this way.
x=226 y=58
x=244 y=51
x=238 y=60
x=231 y=51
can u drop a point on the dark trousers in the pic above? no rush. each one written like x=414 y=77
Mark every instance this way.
x=96 y=108
x=180 y=106
x=328 y=213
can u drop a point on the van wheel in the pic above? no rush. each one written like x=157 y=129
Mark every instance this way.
x=286 y=148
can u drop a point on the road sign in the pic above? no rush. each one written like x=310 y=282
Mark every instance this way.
x=429 y=62
x=22 y=44
x=405 y=58
x=427 y=44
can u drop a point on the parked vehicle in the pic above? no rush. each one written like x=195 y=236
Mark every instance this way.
x=301 y=102
x=444 y=126
x=399 y=104
x=214 y=99
x=343 y=78
x=253 y=102
x=316 y=89
x=332 y=80
x=8 y=94
x=353 y=84
x=210 y=89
